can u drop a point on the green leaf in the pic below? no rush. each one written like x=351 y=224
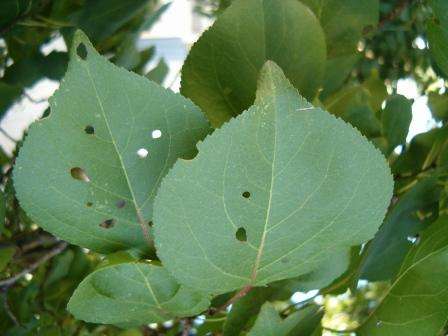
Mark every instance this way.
x=417 y=301
x=396 y=119
x=101 y=18
x=353 y=105
x=302 y=184
x=343 y=22
x=386 y=252
x=269 y=323
x=336 y=72
x=437 y=32
x=132 y=294
x=249 y=306
x=438 y=105
x=88 y=173
x=322 y=276
x=221 y=71
x=421 y=152
x=159 y=72
x=438 y=44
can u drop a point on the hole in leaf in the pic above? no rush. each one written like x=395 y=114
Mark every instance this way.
x=89 y=129
x=81 y=51
x=414 y=239
x=241 y=234
x=79 y=174
x=120 y=204
x=89 y=204
x=156 y=134
x=150 y=224
x=142 y=153
x=108 y=223
x=246 y=194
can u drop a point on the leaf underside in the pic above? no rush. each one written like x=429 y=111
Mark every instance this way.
x=301 y=194
x=89 y=172
x=132 y=294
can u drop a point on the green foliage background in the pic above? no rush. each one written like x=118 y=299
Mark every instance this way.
x=366 y=56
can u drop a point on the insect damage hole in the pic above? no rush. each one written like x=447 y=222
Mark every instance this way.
x=120 y=204
x=89 y=129
x=241 y=234
x=89 y=204
x=156 y=134
x=142 y=153
x=79 y=174
x=246 y=194
x=81 y=51
x=108 y=223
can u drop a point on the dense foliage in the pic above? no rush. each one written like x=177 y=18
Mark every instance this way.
x=283 y=166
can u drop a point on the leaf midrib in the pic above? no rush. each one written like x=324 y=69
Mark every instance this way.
x=140 y=218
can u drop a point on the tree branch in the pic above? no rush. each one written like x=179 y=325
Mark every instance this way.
x=5 y=283
x=394 y=13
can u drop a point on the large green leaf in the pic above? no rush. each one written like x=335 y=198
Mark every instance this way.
x=88 y=173
x=271 y=194
x=221 y=71
x=133 y=294
x=417 y=302
x=269 y=323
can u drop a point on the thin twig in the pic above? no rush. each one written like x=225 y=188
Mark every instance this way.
x=394 y=13
x=7 y=308
x=6 y=134
x=5 y=283
x=187 y=327
x=232 y=300
x=33 y=100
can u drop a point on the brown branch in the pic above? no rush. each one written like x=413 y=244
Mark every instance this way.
x=8 y=282
x=187 y=327
x=394 y=13
x=232 y=300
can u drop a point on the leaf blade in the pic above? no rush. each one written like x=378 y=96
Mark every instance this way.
x=95 y=161
x=234 y=183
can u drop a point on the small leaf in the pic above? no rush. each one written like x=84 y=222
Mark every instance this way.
x=221 y=71
x=77 y=165
x=316 y=188
x=248 y=306
x=417 y=301
x=159 y=72
x=396 y=119
x=269 y=323
x=438 y=105
x=132 y=294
